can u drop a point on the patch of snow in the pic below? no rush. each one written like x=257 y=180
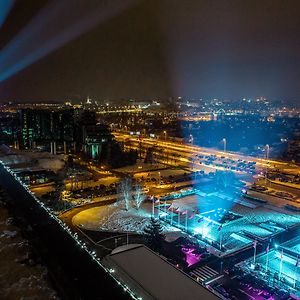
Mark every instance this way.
x=113 y=218
x=7 y=233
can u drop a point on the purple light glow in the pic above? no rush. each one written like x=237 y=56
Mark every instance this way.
x=190 y=257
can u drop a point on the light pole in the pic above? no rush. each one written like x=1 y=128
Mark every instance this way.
x=267 y=159
x=152 y=206
x=254 y=254
x=224 y=142
x=267 y=152
x=165 y=133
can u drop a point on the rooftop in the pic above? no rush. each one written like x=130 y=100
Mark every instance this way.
x=151 y=277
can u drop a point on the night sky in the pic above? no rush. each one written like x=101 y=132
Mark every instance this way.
x=153 y=49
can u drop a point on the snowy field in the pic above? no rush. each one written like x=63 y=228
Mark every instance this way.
x=37 y=160
x=113 y=218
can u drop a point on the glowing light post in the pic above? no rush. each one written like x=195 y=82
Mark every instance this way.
x=152 y=198
x=165 y=133
x=221 y=267
x=296 y=267
x=281 y=259
x=153 y=208
x=166 y=210
x=267 y=259
x=221 y=236
x=178 y=218
x=191 y=140
x=268 y=152
x=254 y=255
x=185 y=212
x=224 y=143
x=267 y=159
x=158 y=206
x=186 y=220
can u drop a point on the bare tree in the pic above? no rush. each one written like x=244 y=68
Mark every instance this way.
x=139 y=196
x=124 y=192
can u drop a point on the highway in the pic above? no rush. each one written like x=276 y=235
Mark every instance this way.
x=185 y=154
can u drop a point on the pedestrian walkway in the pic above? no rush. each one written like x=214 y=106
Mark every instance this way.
x=202 y=274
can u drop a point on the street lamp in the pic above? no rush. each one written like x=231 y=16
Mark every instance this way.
x=224 y=142
x=267 y=151
x=267 y=159
x=165 y=133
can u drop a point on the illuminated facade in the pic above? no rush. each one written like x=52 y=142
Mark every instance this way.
x=46 y=126
x=97 y=139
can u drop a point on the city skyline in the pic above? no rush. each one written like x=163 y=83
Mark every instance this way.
x=150 y=150
x=110 y=190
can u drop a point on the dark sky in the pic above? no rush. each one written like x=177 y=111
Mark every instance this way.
x=152 y=49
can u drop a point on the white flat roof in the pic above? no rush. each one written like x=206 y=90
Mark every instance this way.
x=142 y=269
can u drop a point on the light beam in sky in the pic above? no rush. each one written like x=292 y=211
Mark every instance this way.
x=5 y=7
x=57 y=24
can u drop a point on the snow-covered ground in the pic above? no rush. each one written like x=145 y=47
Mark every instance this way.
x=114 y=218
x=20 y=277
x=37 y=160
